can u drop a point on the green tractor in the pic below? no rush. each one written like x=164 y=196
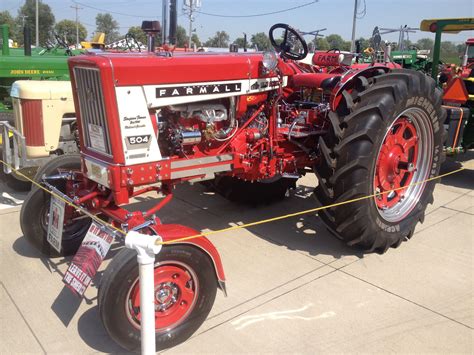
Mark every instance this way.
x=29 y=63
x=408 y=57
x=457 y=82
x=25 y=99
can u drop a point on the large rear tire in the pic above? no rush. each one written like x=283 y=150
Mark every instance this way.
x=387 y=134
x=185 y=290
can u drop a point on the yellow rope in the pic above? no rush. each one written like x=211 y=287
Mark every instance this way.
x=95 y=218
x=251 y=224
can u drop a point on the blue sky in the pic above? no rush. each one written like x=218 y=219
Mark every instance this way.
x=335 y=15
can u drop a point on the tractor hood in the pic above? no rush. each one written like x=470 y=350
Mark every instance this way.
x=151 y=69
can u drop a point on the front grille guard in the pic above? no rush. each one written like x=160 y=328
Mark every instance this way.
x=13 y=148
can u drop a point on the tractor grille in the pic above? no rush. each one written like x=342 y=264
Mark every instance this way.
x=92 y=109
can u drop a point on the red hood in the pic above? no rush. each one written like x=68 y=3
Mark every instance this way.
x=149 y=69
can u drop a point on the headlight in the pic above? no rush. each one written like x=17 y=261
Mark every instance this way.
x=270 y=60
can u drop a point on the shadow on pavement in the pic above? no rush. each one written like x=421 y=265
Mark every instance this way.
x=92 y=332
x=463 y=179
x=305 y=233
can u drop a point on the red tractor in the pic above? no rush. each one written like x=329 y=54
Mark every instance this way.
x=252 y=123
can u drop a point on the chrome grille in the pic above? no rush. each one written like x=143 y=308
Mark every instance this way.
x=92 y=109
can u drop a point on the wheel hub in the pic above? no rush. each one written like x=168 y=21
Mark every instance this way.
x=175 y=296
x=166 y=295
x=396 y=164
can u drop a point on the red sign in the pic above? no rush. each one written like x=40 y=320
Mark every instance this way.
x=88 y=258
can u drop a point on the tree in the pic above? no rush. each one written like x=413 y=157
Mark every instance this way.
x=137 y=32
x=6 y=18
x=240 y=42
x=106 y=23
x=321 y=44
x=67 y=29
x=45 y=20
x=364 y=43
x=337 y=42
x=261 y=41
x=425 y=43
x=448 y=48
x=181 y=38
x=195 y=39
x=220 y=40
x=460 y=48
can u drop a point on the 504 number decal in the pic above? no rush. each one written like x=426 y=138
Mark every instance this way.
x=133 y=140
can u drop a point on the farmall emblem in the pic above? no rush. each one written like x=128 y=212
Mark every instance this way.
x=191 y=90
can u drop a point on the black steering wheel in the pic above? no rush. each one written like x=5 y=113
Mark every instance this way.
x=129 y=40
x=292 y=46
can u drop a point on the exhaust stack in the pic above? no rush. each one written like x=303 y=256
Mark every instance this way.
x=27 y=40
x=151 y=28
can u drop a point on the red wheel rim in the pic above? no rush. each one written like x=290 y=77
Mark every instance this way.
x=397 y=163
x=176 y=292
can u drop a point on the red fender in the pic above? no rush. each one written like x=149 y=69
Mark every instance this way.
x=171 y=232
x=347 y=81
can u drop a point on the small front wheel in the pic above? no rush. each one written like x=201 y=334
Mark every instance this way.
x=185 y=289
x=34 y=215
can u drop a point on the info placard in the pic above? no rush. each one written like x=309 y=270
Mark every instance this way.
x=88 y=258
x=55 y=223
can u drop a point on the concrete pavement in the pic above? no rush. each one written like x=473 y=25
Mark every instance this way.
x=293 y=288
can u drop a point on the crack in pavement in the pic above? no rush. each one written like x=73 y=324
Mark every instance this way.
x=406 y=299
x=23 y=317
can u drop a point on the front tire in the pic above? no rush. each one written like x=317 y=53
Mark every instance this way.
x=388 y=134
x=34 y=215
x=185 y=289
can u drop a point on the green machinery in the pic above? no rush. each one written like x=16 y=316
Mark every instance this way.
x=409 y=58
x=458 y=87
x=37 y=63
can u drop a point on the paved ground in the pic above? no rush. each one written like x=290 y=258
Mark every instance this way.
x=292 y=287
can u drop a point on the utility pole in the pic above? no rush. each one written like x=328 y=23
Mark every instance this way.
x=23 y=20
x=164 y=24
x=37 y=24
x=354 y=26
x=189 y=7
x=173 y=22
x=77 y=8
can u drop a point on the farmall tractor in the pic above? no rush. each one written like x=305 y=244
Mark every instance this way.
x=253 y=123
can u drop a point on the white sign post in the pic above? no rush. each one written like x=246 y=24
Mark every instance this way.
x=146 y=248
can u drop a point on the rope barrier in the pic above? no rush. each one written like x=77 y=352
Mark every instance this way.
x=246 y=225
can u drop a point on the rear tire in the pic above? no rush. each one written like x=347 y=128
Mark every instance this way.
x=184 y=279
x=388 y=133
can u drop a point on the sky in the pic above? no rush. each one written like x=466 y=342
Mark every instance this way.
x=335 y=15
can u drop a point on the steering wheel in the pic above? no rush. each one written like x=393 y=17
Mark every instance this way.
x=293 y=46
x=129 y=40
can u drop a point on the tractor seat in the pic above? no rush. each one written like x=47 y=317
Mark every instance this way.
x=315 y=80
